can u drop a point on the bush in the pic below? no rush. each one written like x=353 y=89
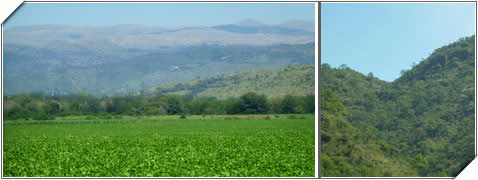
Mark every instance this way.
x=42 y=116
x=387 y=174
x=183 y=116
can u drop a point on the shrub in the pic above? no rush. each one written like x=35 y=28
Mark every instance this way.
x=42 y=116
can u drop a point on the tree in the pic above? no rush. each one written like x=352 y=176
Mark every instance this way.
x=330 y=102
x=288 y=104
x=343 y=66
x=325 y=66
x=175 y=104
x=309 y=103
x=252 y=103
x=155 y=107
x=120 y=106
x=52 y=108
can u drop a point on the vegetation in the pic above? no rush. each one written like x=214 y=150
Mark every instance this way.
x=277 y=82
x=85 y=105
x=163 y=132
x=207 y=146
x=418 y=125
x=43 y=107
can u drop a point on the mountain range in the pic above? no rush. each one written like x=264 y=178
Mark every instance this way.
x=114 y=60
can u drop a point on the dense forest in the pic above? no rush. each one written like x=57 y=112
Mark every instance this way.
x=421 y=124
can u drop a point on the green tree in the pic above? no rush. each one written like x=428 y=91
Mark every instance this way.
x=252 y=103
x=288 y=104
x=174 y=104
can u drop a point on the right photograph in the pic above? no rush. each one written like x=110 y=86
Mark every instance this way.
x=397 y=89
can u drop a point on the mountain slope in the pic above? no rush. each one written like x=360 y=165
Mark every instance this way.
x=277 y=82
x=350 y=151
x=426 y=116
x=145 y=71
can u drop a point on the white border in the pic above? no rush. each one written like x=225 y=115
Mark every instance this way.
x=471 y=171
x=316 y=90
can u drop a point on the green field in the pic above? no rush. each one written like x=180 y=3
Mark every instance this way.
x=269 y=146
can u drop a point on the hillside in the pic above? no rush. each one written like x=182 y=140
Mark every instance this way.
x=275 y=82
x=350 y=151
x=42 y=71
x=425 y=117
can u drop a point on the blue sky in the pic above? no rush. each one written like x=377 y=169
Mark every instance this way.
x=158 y=14
x=384 y=38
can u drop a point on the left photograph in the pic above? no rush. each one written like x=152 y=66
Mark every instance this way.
x=160 y=90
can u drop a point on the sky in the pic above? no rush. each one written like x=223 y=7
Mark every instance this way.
x=384 y=38
x=158 y=14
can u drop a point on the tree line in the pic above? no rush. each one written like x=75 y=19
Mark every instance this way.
x=43 y=107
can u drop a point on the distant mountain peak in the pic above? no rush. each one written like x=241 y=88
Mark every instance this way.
x=299 y=24
x=250 y=22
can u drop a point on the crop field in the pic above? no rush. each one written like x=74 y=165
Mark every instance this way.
x=205 y=146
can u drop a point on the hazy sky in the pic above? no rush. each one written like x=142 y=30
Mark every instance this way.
x=386 y=38
x=158 y=14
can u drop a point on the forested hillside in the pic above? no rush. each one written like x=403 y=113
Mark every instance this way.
x=275 y=82
x=423 y=121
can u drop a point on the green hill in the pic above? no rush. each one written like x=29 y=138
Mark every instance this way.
x=424 y=119
x=276 y=82
x=351 y=151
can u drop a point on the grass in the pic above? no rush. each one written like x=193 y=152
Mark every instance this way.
x=189 y=147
